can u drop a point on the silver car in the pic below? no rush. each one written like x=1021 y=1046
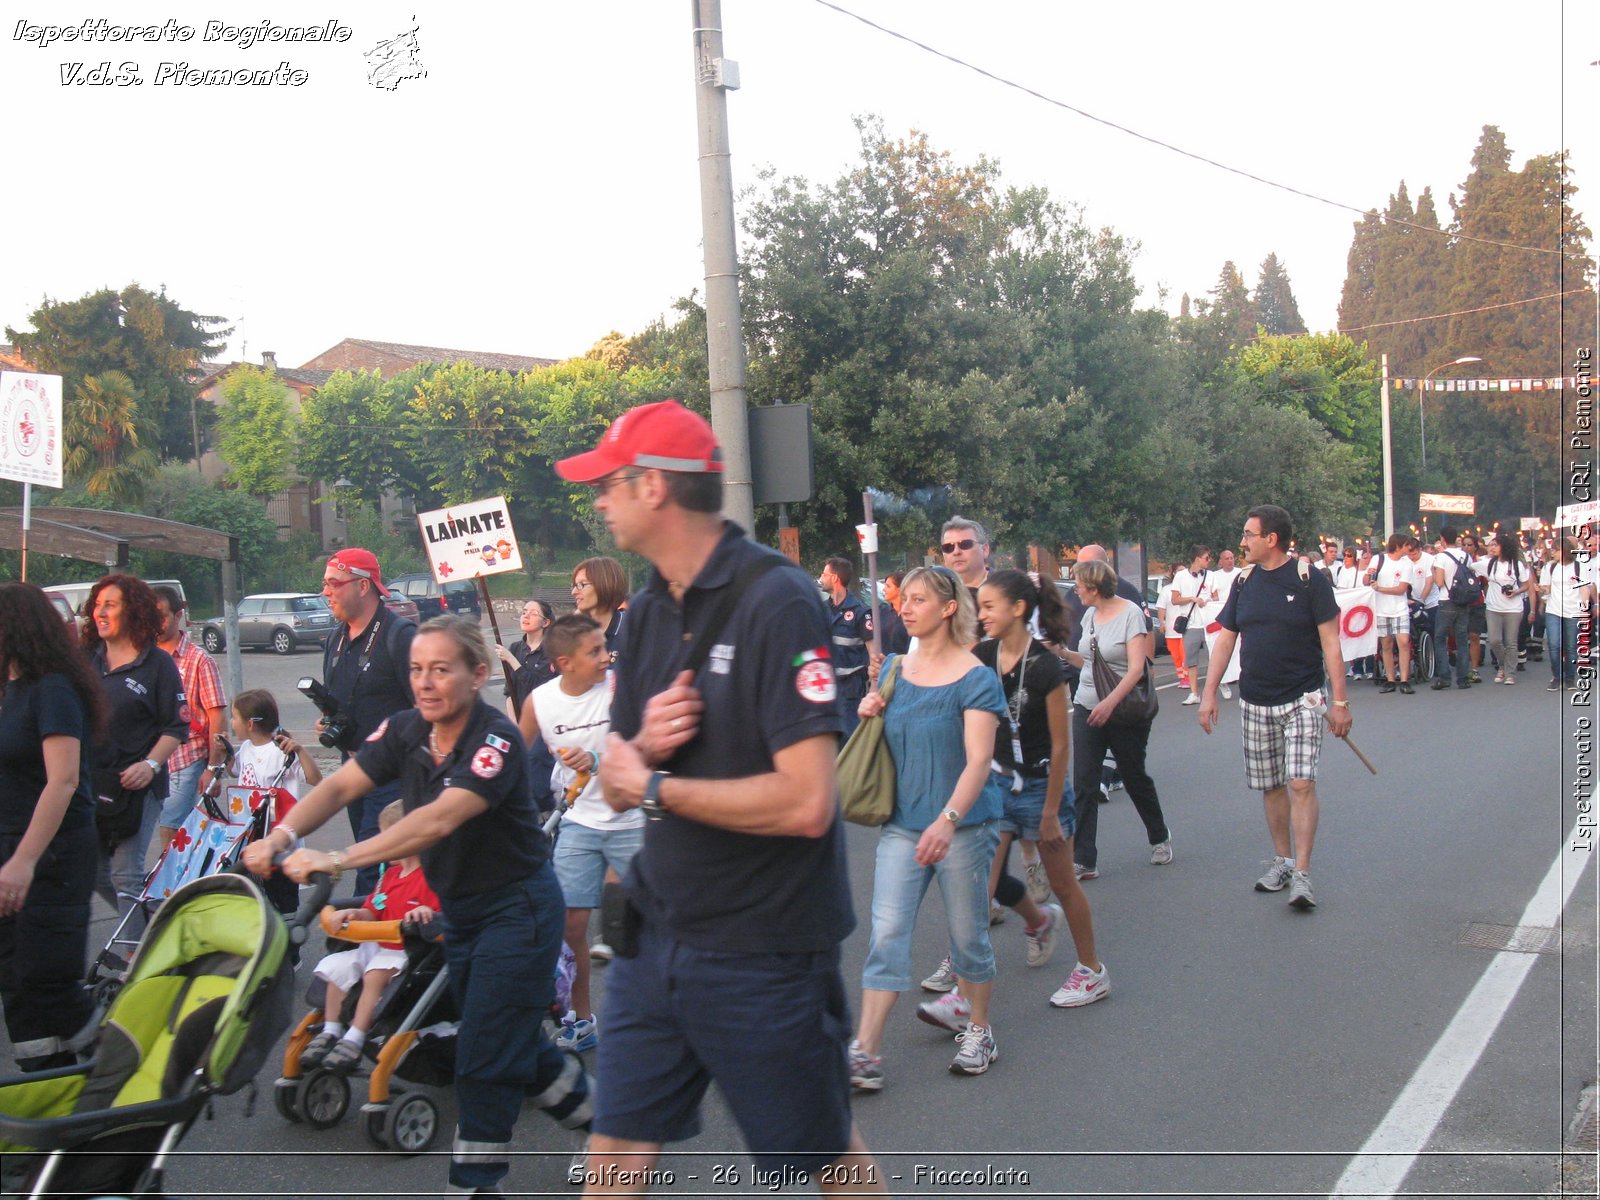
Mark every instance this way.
x=285 y=621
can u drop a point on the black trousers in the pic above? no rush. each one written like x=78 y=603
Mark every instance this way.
x=43 y=947
x=1127 y=744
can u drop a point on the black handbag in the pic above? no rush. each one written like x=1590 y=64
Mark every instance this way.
x=117 y=810
x=1140 y=705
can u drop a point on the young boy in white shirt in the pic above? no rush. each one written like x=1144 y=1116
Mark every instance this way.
x=572 y=712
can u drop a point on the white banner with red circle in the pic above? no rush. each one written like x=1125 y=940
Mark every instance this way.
x=1358 y=626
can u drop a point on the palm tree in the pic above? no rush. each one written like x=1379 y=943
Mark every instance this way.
x=105 y=438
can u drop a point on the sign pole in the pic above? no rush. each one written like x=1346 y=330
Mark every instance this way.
x=27 y=522
x=488 y=607
x=872 y=575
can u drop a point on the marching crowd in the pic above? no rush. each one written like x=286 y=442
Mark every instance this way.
x=688 y=739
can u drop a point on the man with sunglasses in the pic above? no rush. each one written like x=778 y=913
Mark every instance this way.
x=367 y=666
x=965 y=546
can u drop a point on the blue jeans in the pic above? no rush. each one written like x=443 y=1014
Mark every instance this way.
x=1451 y=618
x=1561 y=647
x=898 y=885
x=181 y=794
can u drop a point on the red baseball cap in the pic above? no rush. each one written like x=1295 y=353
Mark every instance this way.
x=363 y=564
x=665 y=436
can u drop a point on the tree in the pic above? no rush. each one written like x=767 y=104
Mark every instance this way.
x=351 y=429
x=470 y=431
x=1357 y=301
x=1276 y=310
x=107 y=443
x=149 y=338
x=255 y=431
x=967 y=344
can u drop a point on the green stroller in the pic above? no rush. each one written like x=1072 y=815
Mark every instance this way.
x=208 y=993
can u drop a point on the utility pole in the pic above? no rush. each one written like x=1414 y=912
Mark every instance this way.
x=714 y=77
x=1388 y=456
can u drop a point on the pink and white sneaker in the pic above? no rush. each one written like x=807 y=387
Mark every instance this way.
x=1082 y=987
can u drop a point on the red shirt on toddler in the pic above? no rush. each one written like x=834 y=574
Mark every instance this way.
x=398 y=892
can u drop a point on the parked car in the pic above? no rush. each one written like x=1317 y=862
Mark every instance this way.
x=63 y=606
x=401 y=606
x=285 y=621
x=435 y=599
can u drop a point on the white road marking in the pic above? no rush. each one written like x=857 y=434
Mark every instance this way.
x=1381 y=1165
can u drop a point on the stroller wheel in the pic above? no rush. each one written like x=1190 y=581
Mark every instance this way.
x=373 y=1121
x=286 y=1096
x=413 y=1123
x=324 y=1099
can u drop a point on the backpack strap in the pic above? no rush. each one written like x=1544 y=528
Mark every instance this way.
x=718 y=620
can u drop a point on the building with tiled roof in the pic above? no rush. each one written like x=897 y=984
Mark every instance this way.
x=391 y=358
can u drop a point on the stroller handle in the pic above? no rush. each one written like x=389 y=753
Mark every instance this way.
x=316 y=896
x=360 y=931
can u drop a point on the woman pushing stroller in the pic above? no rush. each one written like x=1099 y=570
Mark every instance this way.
x=469 y=816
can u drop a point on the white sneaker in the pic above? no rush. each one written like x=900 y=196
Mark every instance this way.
x=976 y=1053
x=1038 y=882
x=1042 y=941
x=997 y=913
x=1082 y=987
x=1227 y=692
x=1191 y=698
x=1161 y=853
x=942 y=980
x=952 y=1011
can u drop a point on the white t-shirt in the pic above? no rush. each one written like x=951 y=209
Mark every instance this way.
x=1219 y=584
x=580 y=723
x=1184 y=584
x=1391 y=572
x=258 y=766
x=1501 y=573
x=1562 y=598
x=1423 y=582
x=1445 y=562
x=1346 y=576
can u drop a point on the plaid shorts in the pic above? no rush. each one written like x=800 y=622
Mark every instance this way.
x=1390 y=626
x=1281 y=742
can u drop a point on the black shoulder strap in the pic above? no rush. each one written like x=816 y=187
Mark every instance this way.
x=718 y=619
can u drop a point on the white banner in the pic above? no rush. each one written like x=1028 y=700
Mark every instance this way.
x=1358 y=626
x=468 y=540
x=30 y=428
x=1571 y=516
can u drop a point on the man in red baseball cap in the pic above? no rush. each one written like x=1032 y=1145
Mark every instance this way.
x=367 y=666
x=740 y=884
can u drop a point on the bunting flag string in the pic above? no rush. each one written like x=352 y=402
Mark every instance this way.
x=1558 y=383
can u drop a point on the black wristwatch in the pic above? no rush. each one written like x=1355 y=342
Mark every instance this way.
x=654 y=810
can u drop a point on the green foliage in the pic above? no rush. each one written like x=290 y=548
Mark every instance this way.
x=470 y=432
x=963 y=347
x=148 y=338
x=352 y=429
x=107 y=441
x=1276 y=310
x=255 y=431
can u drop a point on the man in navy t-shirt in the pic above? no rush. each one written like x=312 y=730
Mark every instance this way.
x=1285 y=619
x=740 y=886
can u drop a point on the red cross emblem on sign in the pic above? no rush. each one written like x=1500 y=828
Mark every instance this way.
x=444 y=569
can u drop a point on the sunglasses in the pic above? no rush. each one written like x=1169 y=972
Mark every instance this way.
x=963 y=544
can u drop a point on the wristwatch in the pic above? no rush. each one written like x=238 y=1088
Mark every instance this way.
x=951 y=815
x=1341 y=704
x=153 y=765
x=654 y=810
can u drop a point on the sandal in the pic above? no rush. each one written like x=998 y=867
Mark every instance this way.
x=314 y=1054
x=342 y=1057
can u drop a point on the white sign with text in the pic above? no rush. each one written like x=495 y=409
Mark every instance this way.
x=468 y=540
x=30 y=428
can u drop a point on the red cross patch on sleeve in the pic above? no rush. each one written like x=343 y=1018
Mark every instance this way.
x=488 y=762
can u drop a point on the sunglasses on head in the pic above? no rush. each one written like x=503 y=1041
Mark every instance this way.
x=963 y=544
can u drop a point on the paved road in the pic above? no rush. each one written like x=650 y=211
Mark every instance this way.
x=1245 y=1048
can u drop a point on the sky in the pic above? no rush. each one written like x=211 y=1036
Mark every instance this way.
x=538 y=187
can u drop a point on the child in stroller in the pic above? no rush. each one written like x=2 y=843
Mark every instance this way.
x=402 y=895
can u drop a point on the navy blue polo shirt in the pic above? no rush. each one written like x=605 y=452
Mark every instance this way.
x=144 y=702
x=768 y=684
x=1276 y=615
x=384 y=686
x=34 y=710
x=496 y=848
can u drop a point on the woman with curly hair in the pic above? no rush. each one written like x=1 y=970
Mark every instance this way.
x=147 y=719
x=50 y=712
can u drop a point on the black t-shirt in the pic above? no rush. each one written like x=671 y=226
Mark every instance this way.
x=144 y=702
x=495 y=848
x=533 y=668
x=768 y=684
x=1045 y=674
x=383 y=687
x=1276 y=615
x=31 y=712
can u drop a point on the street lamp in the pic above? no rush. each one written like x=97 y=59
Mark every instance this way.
x=1422 y=423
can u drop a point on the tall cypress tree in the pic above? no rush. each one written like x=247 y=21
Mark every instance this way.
x=1276 y=310
x=1357 y=301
